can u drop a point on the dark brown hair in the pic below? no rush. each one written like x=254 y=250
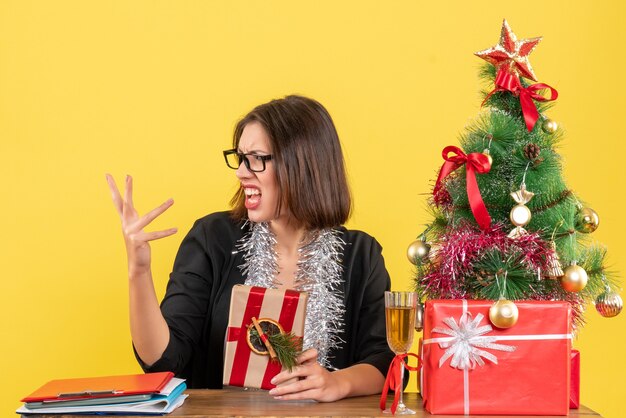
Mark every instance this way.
x=309 y=165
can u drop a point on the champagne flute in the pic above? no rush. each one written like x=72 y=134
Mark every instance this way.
x=400 y=317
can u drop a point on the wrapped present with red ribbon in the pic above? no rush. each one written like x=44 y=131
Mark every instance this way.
x=471 y=367
x=247 y=362
x=574 y=397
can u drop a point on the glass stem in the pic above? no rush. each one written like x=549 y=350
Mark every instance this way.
x=401 y=388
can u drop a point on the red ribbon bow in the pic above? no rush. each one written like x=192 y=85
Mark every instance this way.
x=506 y=81
x=394 y=379
x=474 y=162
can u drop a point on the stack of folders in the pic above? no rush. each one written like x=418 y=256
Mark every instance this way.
x=140 y=394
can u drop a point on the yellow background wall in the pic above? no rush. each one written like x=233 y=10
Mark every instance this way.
x=153 y=89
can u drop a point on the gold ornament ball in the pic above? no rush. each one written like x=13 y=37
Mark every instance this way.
x=417 y=251
x=574 y=278
x=520 y=215
x=609 y=304
x=503 y=313
x=549 y=126
x=587 y=220
x=489 y=157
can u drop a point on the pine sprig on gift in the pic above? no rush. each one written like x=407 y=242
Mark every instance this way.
x=287 y=346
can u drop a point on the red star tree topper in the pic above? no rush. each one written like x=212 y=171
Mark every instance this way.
x=511 y=54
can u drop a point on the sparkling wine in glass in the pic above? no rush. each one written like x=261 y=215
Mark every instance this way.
x=400 y=317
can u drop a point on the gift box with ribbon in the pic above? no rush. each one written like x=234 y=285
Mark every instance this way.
x=247 y=362
x=471 y=367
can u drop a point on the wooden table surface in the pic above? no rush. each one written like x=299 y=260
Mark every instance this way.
x=236 y=402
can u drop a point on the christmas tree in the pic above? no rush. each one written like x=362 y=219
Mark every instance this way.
x=506 y=226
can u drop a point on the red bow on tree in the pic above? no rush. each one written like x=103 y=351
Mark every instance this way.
x=474 y=162
x=393 y=380
x=507 y=81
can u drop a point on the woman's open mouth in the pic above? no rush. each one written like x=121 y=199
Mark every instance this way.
x=253 y=197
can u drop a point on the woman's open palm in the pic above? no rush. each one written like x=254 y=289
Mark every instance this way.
x=137 y=240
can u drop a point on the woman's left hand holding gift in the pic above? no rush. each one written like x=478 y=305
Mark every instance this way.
x=314 y=381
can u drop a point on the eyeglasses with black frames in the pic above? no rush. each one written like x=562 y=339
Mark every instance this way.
x=253 y=162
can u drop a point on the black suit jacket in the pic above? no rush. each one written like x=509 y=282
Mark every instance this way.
x=196 y=303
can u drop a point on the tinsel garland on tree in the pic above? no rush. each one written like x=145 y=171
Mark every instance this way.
x=534 y=241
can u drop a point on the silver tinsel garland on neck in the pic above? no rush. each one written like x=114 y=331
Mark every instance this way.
x=319 y=273
x=259 y=255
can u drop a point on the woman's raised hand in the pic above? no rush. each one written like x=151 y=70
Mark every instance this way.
x=137 y=240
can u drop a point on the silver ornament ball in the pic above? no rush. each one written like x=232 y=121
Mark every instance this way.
x=419 y=317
